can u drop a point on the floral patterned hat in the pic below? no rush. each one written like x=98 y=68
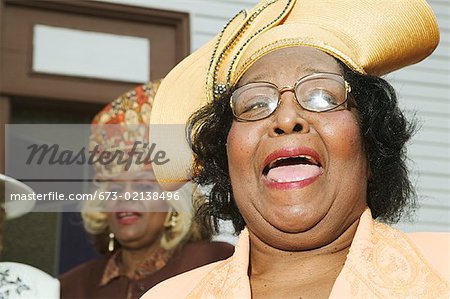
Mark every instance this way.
x=121 y=127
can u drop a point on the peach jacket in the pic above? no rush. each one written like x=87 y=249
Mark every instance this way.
x=382 y=263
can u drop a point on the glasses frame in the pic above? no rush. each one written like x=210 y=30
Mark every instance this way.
x=293 y=88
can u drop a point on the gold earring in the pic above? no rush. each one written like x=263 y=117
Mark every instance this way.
x=111 y=242
x=170 y=224
x=171 y=220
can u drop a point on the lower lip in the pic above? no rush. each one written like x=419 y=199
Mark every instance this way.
x=290 y=185
x=127 y=220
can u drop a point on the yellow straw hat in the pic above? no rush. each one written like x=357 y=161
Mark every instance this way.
x=370 y=37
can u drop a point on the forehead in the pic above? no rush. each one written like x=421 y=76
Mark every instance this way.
x=144 y=175
x=290 y=64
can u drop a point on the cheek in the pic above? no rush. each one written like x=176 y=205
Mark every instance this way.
x=345 y=146
x=240 y=146
x=110 y=219
x=156 y=220
x=235 y=143
x=343 y=139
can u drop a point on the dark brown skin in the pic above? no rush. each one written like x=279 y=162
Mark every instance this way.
x=308 y=274
x=299 y=237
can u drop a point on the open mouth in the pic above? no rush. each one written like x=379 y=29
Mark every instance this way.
x=292 y=169
x=127 y=214
x=127 y=217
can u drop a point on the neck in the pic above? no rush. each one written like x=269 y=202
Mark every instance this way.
x=132 y=258
x=273 y=269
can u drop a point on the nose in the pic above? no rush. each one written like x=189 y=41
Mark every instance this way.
x=128 y=187
x=289 y=117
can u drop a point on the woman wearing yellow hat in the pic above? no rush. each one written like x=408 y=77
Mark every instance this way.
x=304 y=146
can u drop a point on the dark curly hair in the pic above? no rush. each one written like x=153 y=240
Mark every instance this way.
x=385 y=131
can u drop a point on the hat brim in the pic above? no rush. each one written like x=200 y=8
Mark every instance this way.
x=181 y=93
x=15 y=209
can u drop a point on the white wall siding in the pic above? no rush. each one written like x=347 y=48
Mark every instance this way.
x=424 y=88
x=207 y=16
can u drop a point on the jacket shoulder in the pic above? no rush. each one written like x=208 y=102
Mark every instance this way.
x=435 y=248
x=85 y=268
x=77 y=282
x=181 y=285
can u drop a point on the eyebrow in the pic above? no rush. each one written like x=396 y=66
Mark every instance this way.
x=261 y=76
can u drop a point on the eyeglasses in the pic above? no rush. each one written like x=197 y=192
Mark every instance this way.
x=317 y=92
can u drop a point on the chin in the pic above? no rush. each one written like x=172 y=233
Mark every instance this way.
x=294 y=241
x=294 y=228
x=294 y=219
x=130 y=234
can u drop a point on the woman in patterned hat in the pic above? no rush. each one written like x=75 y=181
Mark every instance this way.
x=143 y=244
x=304 y=147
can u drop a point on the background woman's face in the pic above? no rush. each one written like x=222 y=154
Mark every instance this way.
x=132 y=226
x=293 y=206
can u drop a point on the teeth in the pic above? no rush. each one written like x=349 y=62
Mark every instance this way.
x=292 y=160
x=125 y=214
x=308 y=158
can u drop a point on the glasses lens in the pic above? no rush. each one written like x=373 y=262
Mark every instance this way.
x=254 y=101
x=321 y=92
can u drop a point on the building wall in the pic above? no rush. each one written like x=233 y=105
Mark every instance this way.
x=423 y=88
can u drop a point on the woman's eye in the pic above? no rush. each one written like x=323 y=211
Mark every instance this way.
x=119 y=188
x=255 y=109
x=255 y=105
x=321 y=99
x=259 y=101
x=144 y=187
